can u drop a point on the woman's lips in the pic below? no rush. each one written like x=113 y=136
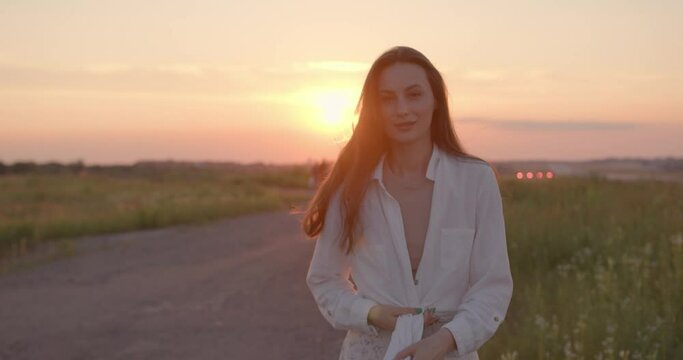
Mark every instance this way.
x=405 y=126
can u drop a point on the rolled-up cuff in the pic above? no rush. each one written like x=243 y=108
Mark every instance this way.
x=462 y=334
x=359 y=313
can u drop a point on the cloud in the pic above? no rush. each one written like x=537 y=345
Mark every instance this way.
x=553 y=125
x=312 y=67
x=483 y=75
x=500 y=75
x=107 y=68
x=190 y=79
x=172 y=68
x=182 y=69
x=339 y=66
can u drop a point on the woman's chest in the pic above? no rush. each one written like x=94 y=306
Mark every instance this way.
x=442 y=233
x=415 y=208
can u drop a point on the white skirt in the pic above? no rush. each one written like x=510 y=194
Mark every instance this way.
x=361 y=346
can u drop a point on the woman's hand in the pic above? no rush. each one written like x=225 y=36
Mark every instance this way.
x=385 y=316
x=433 y=347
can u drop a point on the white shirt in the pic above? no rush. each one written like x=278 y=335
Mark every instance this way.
x=464 y=268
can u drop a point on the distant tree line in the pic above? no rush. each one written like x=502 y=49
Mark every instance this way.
x=146 y=168
x=30 y=167
x=156 y=168
x=80 y=168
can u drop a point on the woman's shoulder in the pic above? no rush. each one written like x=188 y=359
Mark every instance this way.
x=467 y=163
x=469 y=171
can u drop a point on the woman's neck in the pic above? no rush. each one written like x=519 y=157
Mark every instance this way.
x=410 y=158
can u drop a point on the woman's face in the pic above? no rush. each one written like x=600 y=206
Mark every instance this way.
x=406 y=102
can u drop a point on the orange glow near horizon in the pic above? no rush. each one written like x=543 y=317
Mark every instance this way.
x=279 y=82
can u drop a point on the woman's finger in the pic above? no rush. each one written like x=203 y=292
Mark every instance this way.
x=429 y=319
x=409 y=351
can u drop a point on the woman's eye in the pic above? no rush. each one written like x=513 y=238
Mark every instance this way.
x=386 y=99
x=415 y=95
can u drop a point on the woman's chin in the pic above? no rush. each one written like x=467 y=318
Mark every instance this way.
x=407 y=138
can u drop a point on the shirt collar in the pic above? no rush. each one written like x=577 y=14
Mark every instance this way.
x=431 y=167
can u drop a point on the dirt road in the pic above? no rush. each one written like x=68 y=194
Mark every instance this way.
x=234 y=289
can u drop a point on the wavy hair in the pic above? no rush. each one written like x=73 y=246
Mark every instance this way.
x=352 y=171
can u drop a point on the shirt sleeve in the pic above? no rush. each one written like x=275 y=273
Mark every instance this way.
x=485 y=304
x=328 y=279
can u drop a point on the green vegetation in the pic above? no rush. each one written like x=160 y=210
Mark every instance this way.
x=597 y=265
x=37 y=207
x=598 y=271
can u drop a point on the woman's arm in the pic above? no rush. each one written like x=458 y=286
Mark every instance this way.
x=328 y=278
x=485 y=304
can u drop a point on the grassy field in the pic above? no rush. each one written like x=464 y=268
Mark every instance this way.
x=598 y=271
x=40 y=208
x=597 y=265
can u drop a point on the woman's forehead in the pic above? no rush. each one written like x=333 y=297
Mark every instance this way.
x=402 y=76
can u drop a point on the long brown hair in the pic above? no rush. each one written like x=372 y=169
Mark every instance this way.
x=352 y=170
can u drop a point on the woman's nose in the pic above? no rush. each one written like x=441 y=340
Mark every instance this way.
x=401 y=106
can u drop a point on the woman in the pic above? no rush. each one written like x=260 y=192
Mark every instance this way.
x=416 y=222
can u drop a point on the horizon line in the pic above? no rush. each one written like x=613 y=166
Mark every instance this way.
x=311 y=160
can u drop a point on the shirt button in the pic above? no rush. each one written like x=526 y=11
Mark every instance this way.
x=495 y=318
x=415 y=281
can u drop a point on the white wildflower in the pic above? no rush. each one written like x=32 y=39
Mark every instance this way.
x=509 y=355
x=541 y=322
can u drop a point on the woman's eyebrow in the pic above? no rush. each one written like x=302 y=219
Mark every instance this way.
x=407 y=88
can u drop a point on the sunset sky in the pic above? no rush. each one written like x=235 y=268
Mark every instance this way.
x=277 y=81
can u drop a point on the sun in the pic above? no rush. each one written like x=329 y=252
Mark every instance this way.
x=333 y=108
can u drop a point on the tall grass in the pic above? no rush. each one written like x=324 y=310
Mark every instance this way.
x=597 y=268
x=597 y=265
x=39 y=207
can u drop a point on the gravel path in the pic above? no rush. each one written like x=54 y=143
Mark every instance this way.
x=233 y=289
